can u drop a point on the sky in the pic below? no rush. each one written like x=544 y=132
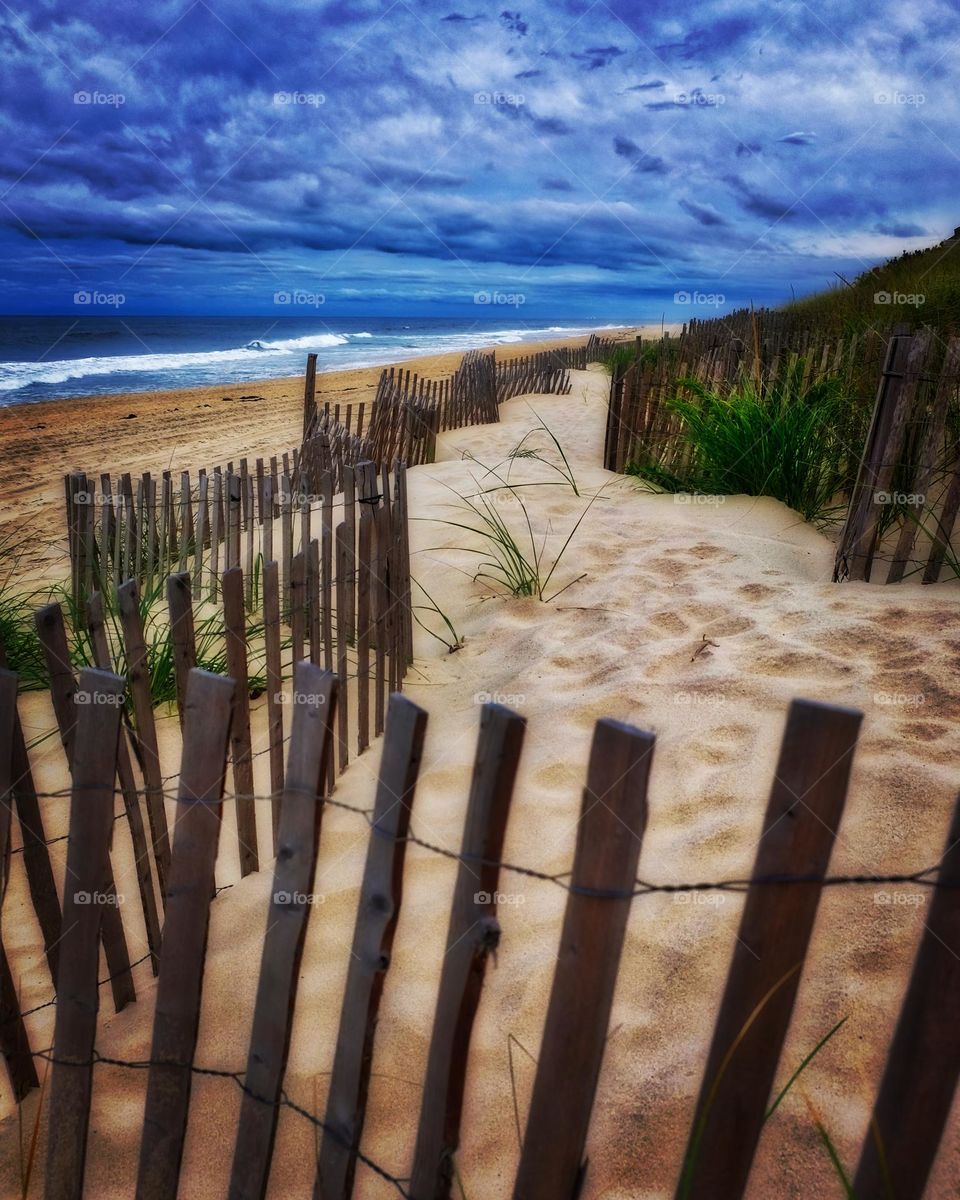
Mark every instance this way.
x=604 y=160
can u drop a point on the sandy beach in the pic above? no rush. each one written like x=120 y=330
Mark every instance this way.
x=699 y=622
x=177 y=430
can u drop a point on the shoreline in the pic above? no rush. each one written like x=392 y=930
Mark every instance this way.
x=178 y=429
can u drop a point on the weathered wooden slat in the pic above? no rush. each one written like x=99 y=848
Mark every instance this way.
x=377 y=913
x=923 y=1067
x=613 y=818
x=364 y=575
x=88 y=873
x=182 y=635
x=802 y=817
x=472 y=935
x=274 y=671
x=209 y=703
x=290 y=904
x=14 y=1043
x=103 y=661
x=68 y=702
x=8 y=724
x=344 y=585
x=235 y=633
x=36 y=856
x=138 y=678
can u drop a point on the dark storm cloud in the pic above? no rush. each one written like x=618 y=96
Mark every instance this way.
x=174 y=142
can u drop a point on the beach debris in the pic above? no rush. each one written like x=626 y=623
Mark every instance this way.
x=253 y=397
x=129 y=416
x=703 y=648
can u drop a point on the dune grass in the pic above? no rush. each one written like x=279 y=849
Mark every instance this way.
x=793 y=444
x=930 y=276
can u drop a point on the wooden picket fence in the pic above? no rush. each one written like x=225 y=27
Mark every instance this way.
x=803 y=814
x=643 y=429
x=903 y=508
x=145 y=527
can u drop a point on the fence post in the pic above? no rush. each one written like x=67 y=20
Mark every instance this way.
x=235 y=633
x=803 y=814
x=36 y=856
x=377 y=913
x=898 y=384
x=472 y=935
x=128 y=788
x=68 y=702
x=88 y=869
x=924 y=1060
x=139 y=682
x=274 y=672
x=290 y=905
x=180 y=604
x=609 y=835
x=203 y=769
x=13 y=1035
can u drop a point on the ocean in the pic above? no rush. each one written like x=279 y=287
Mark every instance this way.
x=45 y=358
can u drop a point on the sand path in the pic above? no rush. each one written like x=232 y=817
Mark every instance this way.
x=660 y=577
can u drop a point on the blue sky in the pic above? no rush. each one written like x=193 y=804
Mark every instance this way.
x=568 y=159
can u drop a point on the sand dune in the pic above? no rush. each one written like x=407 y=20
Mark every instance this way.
x=699 y=622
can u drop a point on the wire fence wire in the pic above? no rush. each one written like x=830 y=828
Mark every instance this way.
x=924 y=877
